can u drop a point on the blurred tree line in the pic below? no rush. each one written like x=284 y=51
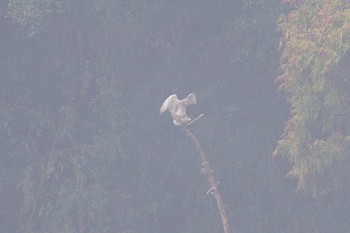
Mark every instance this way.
x=84 y=150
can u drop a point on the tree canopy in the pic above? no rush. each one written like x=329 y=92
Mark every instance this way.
x=83 y=148
x=315 y=42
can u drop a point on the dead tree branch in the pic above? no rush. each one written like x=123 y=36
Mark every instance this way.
x=212 y=181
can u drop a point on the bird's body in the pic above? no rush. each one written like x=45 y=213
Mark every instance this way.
x=177 y=108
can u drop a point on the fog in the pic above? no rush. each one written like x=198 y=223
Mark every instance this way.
x=84 y=149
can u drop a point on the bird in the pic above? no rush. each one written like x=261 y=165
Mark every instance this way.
x=177 y=108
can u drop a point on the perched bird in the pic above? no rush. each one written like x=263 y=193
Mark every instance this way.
x=177 y=108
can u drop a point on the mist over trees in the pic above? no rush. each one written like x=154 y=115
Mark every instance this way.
x=83 y=148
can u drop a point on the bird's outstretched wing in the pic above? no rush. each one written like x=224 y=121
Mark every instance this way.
x=169 y=104
x=181 y=107
x=177 y=108
x=191 y=99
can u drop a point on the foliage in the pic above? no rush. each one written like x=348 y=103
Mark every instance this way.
x=100 y=158
x=33 y=13
x=61 y=128
x=315 y=43
x=64 y=180
x=83 y=148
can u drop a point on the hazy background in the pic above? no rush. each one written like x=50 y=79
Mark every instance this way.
x=83 y=148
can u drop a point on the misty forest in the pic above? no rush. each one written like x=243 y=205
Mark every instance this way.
x=84 y=149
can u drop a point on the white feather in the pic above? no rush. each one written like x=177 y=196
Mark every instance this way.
x=169 y=104
x=177 y=108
